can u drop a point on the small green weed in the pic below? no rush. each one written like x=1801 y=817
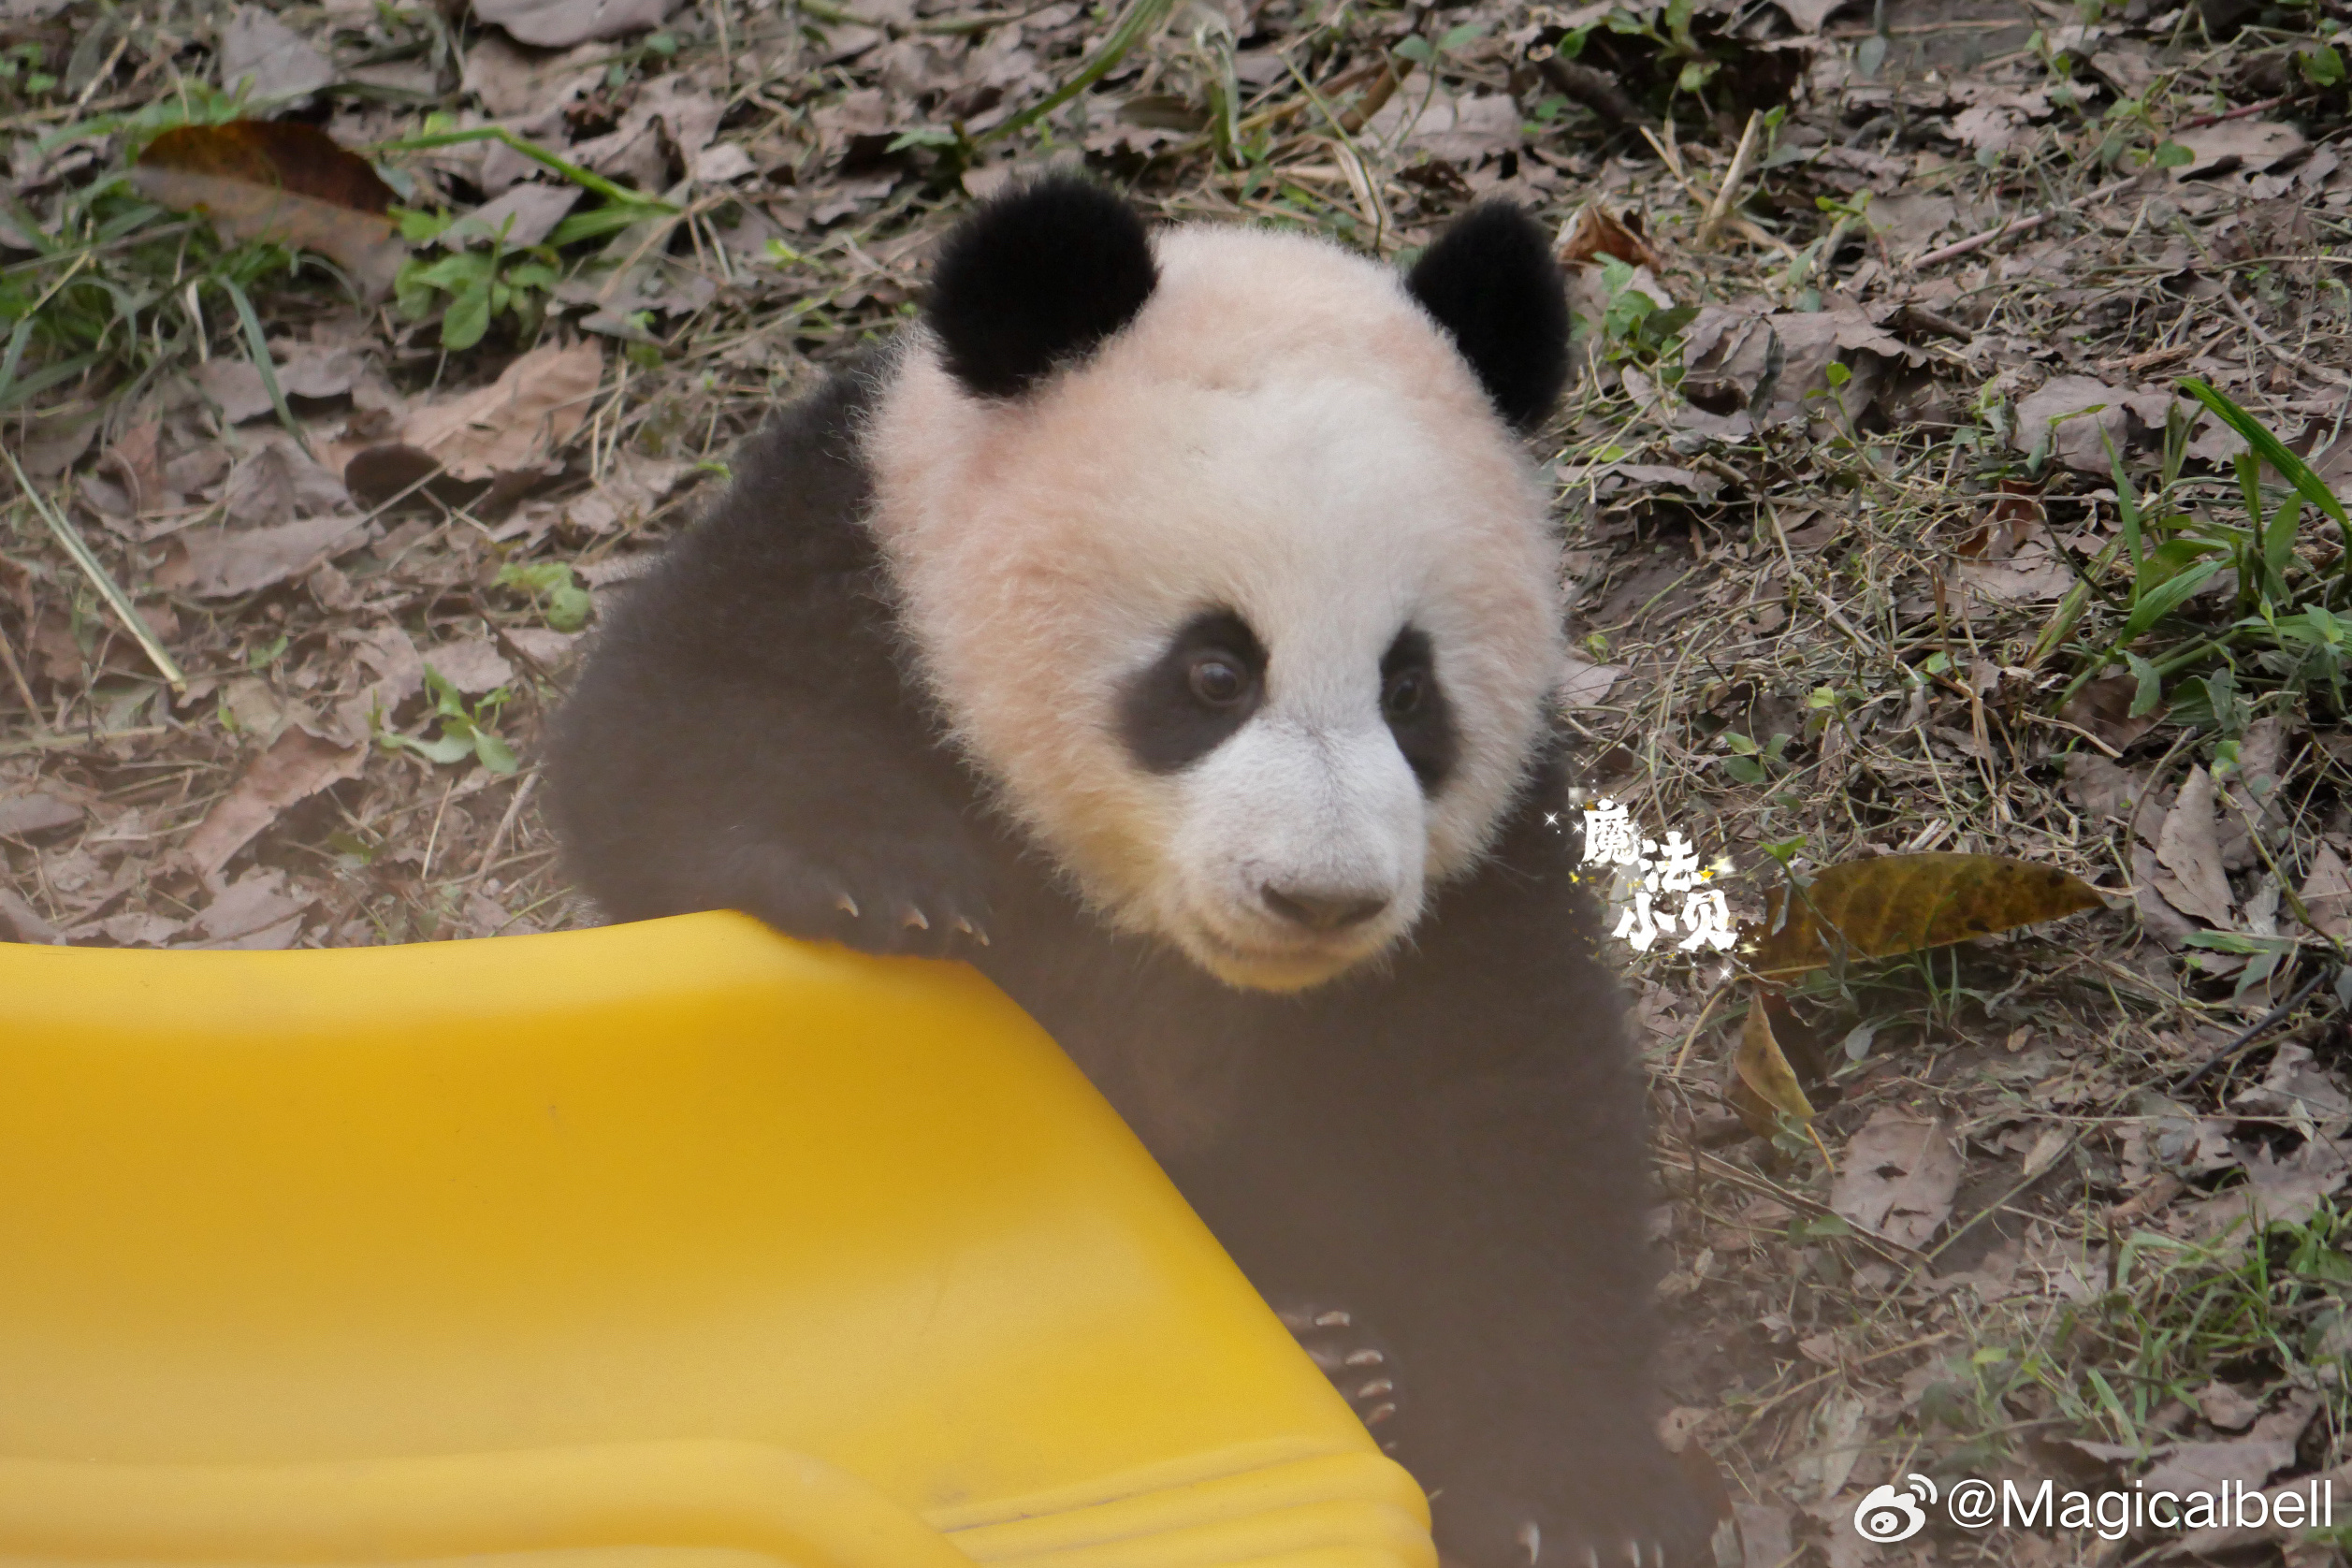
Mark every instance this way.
x=471 y=288
x=2286 y=626
x=465 y=732
x=553 y=591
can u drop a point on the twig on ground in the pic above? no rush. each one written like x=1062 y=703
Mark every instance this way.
x=2025 y=224
x=1728 y=192
x=2262 y=335
x=2252 y=1032
x=1595 y=89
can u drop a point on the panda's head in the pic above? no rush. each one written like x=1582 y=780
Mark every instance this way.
x=1220 y=553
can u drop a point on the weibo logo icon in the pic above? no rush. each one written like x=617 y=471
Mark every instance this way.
x=1887 y=1516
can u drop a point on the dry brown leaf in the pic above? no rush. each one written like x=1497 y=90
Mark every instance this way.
x=472 y=664
x=1462 y=130
x=2236 y=144
x=400 y=674
x=2102 y=789
x=1763 y=1081
x=515 y=424
x=627 y=493
x=561 y=23
x=2209 y=1467
x=21 y=922
x=2103 y=707
x=2168 y=926
x=2080 y=441
x=258 y=898
x=319 y=370
x=1899 y=1177
x=2030 y=576
x=134 y=462
x=2327 y=893
x=297 y=765
x=2226 y=1407
x=550 y=650
x=523 y=84
x=271 y=61
x=1597 y=233
x=282 y=181
x=1898 y=904
x=222 y=564
x=526 y=214
x=34 y=812
x=235 y=387
x=2189 y=848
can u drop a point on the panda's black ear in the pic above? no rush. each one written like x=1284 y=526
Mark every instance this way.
x=1491 y=282
x=1037 y=276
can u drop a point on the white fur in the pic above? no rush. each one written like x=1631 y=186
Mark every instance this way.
x=1282 y=432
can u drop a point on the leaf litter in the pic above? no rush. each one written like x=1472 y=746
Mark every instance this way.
x=1891 y=531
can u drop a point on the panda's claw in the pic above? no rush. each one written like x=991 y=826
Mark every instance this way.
x=846 y=904
x=913 y=918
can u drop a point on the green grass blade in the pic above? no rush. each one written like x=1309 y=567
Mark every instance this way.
x=46 y=377
x=1140 y=19
x=258 y=343
x=2165 y=597
x=108 y=589
x=2291 y=468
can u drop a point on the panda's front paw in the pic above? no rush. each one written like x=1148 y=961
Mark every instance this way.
x=904 y=898
x=1357 y=1361
x=1638 y=1512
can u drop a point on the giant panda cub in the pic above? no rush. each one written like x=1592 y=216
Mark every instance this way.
x=1169 y=624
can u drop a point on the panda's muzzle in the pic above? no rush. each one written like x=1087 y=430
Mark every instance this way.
x=1323 y=911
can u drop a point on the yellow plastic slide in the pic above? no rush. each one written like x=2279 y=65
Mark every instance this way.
x=668 y=1245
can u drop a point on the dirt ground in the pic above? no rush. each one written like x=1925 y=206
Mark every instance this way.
x=1889 y=528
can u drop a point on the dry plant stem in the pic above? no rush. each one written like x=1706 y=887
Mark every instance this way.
x=16 y=677
x=76 y=546
x=1376 y=96
x=1728 y=192
x=1594 y=88
x=1829 y=609
x=2025 y=224
x=1697 y=1026
x=2334 y=378
x=505 y=825
x=2252 y=1032
x=2200 y=121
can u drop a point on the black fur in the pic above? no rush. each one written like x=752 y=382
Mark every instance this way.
x=1491 y=282
x=1449 y=1146
x=720 y=751
x=1424 y=730
x=1035 y=278
x=1164 y=721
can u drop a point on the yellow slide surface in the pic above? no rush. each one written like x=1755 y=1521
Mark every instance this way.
x=673 y=1245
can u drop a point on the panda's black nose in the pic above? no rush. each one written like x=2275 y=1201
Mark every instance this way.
x=1323 y=908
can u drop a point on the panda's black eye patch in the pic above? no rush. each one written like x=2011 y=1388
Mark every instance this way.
x=1201 y=689
x=1414 y=704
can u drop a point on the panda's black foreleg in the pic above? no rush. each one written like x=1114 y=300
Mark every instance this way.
x=1502 y=1279
x=744 y=736
x=1454 y=1153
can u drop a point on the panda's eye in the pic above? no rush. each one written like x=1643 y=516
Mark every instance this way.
x=1403 y=699
x=1218 y=680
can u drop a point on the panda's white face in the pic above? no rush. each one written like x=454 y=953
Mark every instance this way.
x=1251 y=617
